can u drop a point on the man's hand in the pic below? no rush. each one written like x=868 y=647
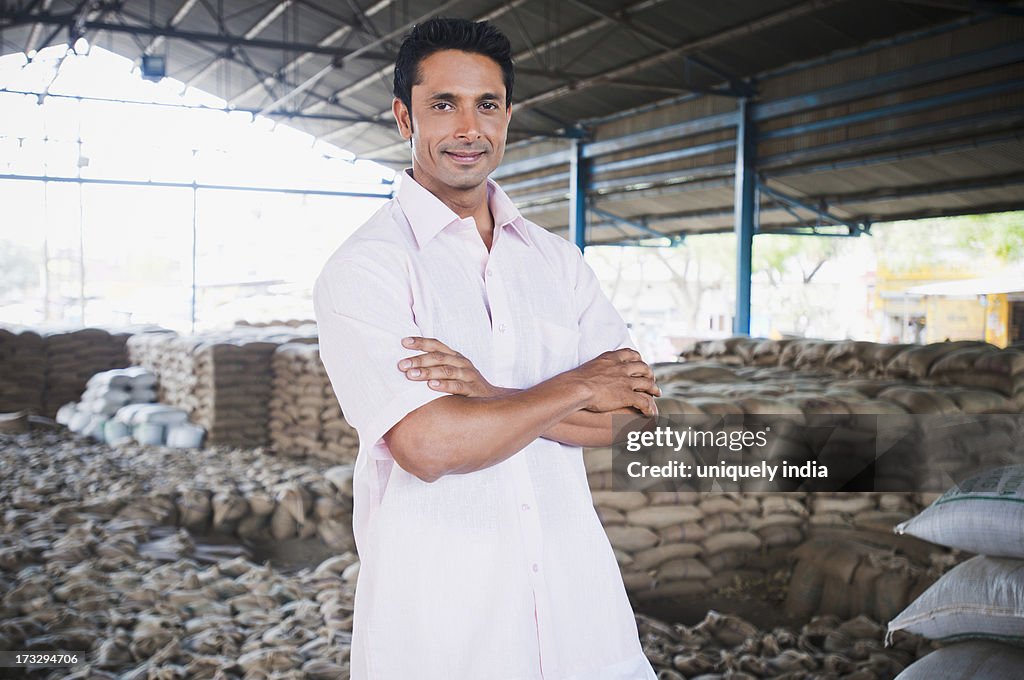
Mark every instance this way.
x=619 y=379
x=445 y=370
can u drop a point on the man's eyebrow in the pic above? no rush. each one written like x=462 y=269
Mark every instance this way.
x=486 y=96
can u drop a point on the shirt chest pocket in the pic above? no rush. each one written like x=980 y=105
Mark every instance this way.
x=558 y=346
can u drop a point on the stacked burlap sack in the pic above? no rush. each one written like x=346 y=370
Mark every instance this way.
x=22 y=369
x=975 y=365
x=222 y=380
x=43 y=369
x=687 y=542
x=305 y=418
x=977 y=607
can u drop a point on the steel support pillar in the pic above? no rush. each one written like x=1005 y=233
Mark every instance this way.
x=578 y=195
x=745 y=211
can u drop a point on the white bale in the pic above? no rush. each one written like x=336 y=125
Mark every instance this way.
x=976 y=659
x=66 y=412
x=980 y=598
x=185 y=436
x=982 y=515
x=116 y=432
x=159 y=414
x=149 y=433
x=79 y=421
x=94 y=428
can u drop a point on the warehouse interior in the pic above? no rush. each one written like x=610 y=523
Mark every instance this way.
x=178 y=495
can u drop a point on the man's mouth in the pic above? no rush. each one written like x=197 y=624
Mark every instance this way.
x=467 y=157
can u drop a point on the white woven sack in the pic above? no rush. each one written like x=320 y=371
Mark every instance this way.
x=981 y=598
x=977 y=659
x=185 y=436
x=983 y=515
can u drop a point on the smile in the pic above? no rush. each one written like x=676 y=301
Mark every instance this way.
x=465 y=157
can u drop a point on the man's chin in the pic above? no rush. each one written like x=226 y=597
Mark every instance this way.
x=466 y=180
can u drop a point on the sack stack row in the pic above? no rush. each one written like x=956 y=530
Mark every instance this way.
x=671 y=544
x=43 y=369
x=305 y=418
x=935 y=431
x=967 y=363
x=978 y=607
x=223 y=381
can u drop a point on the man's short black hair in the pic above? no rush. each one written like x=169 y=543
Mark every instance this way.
x=442 y=33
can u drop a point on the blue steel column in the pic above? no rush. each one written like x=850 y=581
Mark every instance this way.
x=746 y=198
x=578 y=195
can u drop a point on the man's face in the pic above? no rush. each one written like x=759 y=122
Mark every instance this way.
x=458 y=122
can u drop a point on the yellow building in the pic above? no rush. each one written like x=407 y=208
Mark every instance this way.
x=990 y=308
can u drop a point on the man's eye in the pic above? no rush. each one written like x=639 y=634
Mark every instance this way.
x=491 y=106
x=439 y=105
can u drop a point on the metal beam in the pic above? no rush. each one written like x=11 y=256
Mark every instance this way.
x=175 y=19
x=64 y=20
x=820 y=209
x=634 y=224
x=736 y=85
x=578 y=195
x=741 y=30
x=745 y=206
x=836 y=156
x=328 y=40
x=191 y=185
x=198 y=107
x=881 y=83
x=253 y=31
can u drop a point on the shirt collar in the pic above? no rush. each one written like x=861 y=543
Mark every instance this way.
x=428 y=215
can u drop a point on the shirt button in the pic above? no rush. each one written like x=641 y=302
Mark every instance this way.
x=536 y=567
x=525 y=506
x=490 y=273
x=501 y=328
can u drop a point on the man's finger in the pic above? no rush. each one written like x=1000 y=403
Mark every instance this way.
x=427 y=344
x=433 y=359
x=443 y=372
x=646 y=385
x=449 y=386
x=639 y=369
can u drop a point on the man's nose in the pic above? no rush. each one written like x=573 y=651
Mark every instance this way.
x=467 y=125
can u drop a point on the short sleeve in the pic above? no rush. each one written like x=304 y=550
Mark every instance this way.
x=601 y=326
x=363 y=311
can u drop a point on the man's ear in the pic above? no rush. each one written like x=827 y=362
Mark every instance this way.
x=402 y=117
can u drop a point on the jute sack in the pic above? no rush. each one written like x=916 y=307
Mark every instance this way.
x=983 y=515
x=981 y=598
x=977 y=659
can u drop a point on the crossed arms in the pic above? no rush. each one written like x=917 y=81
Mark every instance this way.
x=478 y=424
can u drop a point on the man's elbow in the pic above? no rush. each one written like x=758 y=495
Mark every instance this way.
x=411 y=449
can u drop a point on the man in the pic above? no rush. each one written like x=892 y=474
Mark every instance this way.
x=475 y=354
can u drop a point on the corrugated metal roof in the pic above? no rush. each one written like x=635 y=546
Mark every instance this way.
x=601 y=62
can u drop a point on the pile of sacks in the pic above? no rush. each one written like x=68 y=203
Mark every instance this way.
x=41 y=369
x=966 y=363
x=977 y=607
x=305 y=418
x=117 y=407
x=222 y=380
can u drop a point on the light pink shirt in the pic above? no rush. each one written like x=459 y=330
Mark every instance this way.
x=504 y=573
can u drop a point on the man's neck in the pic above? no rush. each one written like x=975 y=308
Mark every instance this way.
x=465 y=203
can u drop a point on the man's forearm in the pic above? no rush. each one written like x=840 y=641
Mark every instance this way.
x=458 y=434
x=582 y=427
